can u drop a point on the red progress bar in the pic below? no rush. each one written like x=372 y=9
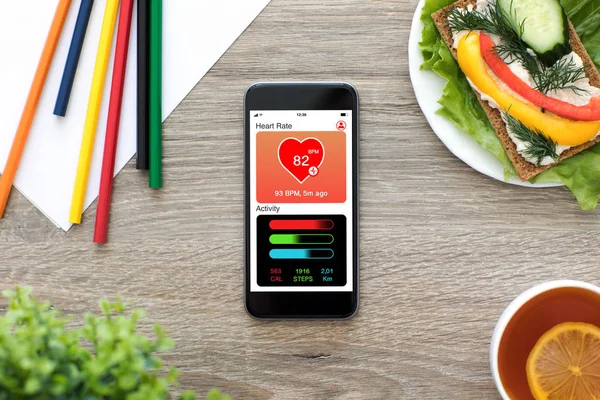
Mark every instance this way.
x=301 y=224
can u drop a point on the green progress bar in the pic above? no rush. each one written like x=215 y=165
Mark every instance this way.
x=301 y=239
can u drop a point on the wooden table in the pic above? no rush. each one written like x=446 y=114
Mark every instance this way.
x=443 y=248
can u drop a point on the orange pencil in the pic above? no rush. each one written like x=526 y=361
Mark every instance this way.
x=33 y=99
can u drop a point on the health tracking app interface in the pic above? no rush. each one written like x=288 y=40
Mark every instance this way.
x=301 y=201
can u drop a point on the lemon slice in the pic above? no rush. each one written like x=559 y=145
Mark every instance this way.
x=565 y=363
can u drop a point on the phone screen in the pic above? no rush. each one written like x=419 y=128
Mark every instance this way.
x=301 y=222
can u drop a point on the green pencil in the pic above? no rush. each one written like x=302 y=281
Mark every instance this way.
x=155 y=94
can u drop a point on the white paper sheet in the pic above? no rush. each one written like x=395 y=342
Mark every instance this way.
x=196 y=34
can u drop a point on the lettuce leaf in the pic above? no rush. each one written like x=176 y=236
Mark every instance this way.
x=585 y=15
x=581 y=173
x=432 y=41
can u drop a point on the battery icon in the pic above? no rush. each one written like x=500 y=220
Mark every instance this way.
x=343 y=114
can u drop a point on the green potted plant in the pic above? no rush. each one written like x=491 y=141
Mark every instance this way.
x=41 y=357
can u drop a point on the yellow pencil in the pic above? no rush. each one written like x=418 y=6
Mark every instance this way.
x=93 y=112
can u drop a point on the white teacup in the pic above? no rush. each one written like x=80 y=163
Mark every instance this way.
x=507 y=317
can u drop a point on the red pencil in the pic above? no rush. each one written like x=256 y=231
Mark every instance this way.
x=114 y=120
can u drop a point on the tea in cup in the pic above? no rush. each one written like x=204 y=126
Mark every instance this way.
x=546 y=344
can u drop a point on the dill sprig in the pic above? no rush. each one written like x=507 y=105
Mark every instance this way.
x=494 y=20
x=561 y=75
x=538 y=145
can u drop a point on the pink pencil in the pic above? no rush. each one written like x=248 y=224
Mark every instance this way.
x=114 y=121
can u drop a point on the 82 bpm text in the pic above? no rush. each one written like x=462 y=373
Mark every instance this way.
x=300 y=193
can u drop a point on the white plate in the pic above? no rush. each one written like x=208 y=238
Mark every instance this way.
x=428 y=88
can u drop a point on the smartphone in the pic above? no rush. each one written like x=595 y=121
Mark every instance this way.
x=301 y=200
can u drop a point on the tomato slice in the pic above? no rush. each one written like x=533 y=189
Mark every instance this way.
x=589 y=112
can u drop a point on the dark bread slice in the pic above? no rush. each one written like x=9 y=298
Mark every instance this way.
x=524 y=169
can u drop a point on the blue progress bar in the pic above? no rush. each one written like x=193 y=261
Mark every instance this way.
x=301 y=254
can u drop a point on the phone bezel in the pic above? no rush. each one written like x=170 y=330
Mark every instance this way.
x=301 y=96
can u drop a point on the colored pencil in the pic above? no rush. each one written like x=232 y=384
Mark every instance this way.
x=33 y=99
x=143 y=83
x=114 y=121
x=93 y=111
x=155 y=94
x=66 y=85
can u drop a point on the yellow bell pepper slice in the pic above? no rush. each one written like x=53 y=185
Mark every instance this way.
x=561 y=130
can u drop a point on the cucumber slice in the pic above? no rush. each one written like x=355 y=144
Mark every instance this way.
x=543 y=24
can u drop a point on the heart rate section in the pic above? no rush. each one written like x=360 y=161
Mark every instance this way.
x=301 y=167
x=301 y=250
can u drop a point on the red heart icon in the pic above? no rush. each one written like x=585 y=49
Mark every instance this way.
x=301 y=159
